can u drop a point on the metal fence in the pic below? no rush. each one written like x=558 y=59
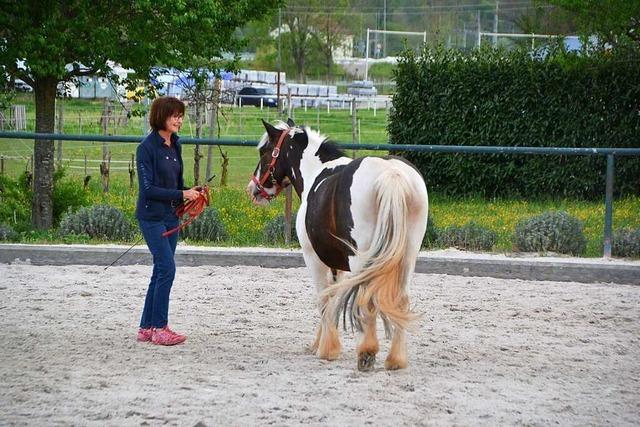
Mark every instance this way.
x=610 y=154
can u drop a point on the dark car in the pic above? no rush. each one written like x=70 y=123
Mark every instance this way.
x=252 y=95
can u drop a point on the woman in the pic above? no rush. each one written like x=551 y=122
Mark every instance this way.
x=161 y=190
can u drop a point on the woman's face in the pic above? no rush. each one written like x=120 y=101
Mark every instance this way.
x=174 y=123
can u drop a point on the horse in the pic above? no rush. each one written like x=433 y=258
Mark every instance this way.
x=360 y=225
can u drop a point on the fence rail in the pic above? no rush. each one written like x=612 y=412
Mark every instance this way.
x=609 y=152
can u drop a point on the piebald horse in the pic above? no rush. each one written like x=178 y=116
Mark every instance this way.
x=360 y=224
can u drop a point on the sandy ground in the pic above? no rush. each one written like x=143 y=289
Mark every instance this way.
x=486 y=352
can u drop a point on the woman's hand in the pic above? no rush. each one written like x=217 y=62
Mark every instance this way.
x=191 y=194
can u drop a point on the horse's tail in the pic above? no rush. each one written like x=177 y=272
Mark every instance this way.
x=380 y=285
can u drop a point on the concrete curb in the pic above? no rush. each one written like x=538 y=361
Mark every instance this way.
x=585 y=270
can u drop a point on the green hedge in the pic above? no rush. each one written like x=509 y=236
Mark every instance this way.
x=494 y=97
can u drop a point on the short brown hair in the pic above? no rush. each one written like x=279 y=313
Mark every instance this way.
x=163 y=108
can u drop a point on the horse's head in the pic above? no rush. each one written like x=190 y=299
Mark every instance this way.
x=270 y=175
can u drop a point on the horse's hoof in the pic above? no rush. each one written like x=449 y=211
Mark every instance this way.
x=366 y=360
x=329 y=356
x=394 y=365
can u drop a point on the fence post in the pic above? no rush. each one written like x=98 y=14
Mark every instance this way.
x=106 y=158
x=287 y=215
x=87 y=177
x=213 y=124
x=104 y=172
x=145 y=118
x=608 y=207
x=1 y=165
x=132 y=171
x=60 y=130
x=289 y=104
x=199 y=101
x=31 y=182
x=354 y=124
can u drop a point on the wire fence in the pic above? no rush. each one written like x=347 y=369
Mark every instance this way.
x=609 y=153
x=343 y=120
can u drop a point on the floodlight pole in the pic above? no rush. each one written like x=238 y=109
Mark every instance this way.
x=366 y=60
x=279 y=108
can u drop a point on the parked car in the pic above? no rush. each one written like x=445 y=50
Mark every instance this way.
x=251 y=95
x=21 y=86
x=362 y=88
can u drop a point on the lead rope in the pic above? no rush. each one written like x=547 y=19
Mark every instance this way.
x=192 y=208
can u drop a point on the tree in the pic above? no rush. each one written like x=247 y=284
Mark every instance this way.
x=613 y=21
x=330 y=30
x=45 y=43
x=298 y=20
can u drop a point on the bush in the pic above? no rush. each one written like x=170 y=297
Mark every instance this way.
x=431 y=235
x=7 y=234
x=67 y=195
x=16 y=195
x=100 y=222
x=626 y=243
x=273 y=233
x=15 y=202
x=207 y=227
x=550 y=232
x=489 y=97
x=470 y=236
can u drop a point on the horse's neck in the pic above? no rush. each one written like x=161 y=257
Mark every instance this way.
x=313 y=163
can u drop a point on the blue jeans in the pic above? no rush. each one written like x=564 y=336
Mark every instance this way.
x=156 y=305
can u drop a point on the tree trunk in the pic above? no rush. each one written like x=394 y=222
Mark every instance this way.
x=299 y=57
x=328 y=56
x=43 y=151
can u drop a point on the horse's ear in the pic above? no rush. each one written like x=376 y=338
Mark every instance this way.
x=291 y=123
x=271 y=131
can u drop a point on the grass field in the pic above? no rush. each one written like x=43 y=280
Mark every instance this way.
x=244 y=221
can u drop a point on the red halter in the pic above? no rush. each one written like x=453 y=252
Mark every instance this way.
x=269 y=172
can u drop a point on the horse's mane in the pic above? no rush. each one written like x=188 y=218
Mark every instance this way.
x=279 y=125
x=329 y=148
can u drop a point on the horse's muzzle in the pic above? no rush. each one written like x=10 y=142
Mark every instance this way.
x=256 y=195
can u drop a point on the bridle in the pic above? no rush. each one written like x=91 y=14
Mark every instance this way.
x=268 y=174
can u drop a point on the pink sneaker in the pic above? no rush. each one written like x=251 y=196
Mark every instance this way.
x=144 y=335
x=165 y=336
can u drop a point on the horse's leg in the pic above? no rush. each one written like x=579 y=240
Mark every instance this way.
x=368 y=346
x=327 y=342
x=397 y=357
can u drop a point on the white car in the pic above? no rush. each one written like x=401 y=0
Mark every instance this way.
x=21 y=86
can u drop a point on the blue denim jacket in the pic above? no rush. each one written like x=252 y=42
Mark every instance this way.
x=155 y=200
